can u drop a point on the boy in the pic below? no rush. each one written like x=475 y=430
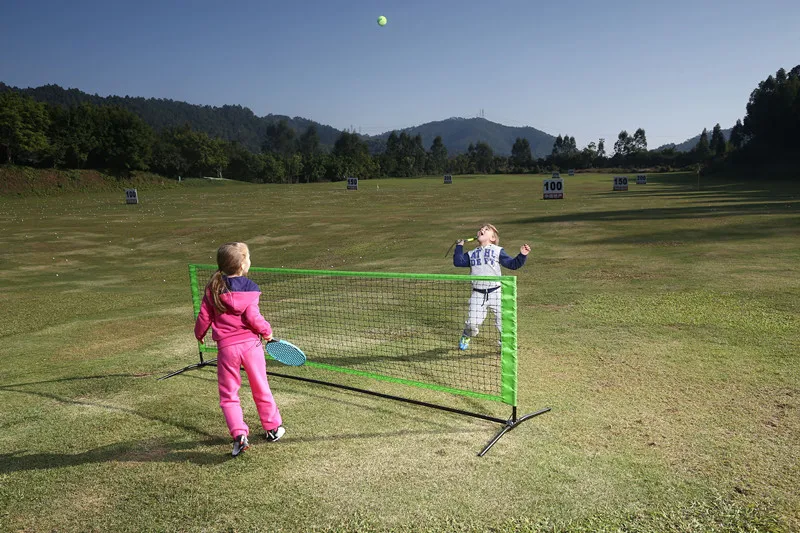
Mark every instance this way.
x=485 y=260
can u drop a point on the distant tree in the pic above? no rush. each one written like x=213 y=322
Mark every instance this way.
x=482 y=157
x=273 y=168
x=124 y=140
x=624 y=145
x=717 y=144
x=314 y=167
x=351 y=158
x=280 y=139
x=702 y=149
x=737 y=135
x=74 y=134
x=170 y=155
x=521 y=158
x=294 y=168
x=391 y=155
x=308 y=142
x=588 y=156
x=558 y=146
x=23 y=128
x=772 y=123
x=601 y=149
x=243 y=164
x=437 y=157
x=639 y=143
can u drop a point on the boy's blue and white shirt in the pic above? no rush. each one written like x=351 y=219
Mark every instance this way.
x=486 y=261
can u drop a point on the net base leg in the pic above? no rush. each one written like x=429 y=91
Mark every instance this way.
x=202 y=363
x=510 y=424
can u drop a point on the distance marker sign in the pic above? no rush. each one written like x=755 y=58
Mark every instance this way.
x=553 y=189
x=620 y=183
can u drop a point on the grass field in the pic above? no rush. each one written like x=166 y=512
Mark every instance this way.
x=661 y=324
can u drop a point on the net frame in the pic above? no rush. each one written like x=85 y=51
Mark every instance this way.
x=506 y=392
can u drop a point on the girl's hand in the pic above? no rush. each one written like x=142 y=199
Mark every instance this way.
x=524 y=249
x=267 y=338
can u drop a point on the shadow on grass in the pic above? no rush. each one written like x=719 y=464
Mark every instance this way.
x=783 y=226
x=668 y=213
x=180 y=451
x=130 y=451
x=367 y=403
x=440 y=354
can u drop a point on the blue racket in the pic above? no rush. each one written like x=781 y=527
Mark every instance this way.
x=285 y=352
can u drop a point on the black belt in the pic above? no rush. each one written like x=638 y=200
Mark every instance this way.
x=487 y=291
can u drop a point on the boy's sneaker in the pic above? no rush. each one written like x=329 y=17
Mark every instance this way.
x=240 y=444
x=463 y=344
x=275 y=434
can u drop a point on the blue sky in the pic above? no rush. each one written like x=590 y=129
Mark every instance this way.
x=587 y=69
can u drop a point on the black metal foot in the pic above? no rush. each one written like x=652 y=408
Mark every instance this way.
x=210 y=362
x=511 y=423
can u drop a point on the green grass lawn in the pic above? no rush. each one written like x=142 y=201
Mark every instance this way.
x=661 y=324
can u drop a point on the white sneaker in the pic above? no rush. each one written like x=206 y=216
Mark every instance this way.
x=275 y=434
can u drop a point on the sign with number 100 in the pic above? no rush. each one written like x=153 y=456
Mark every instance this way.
x=131 y=196
x=620 y=183
x=553 y=189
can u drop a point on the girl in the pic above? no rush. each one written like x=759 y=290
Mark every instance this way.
x=230 y=308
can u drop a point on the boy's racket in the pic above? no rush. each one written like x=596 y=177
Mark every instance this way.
x=454 y=243
x=285 y=352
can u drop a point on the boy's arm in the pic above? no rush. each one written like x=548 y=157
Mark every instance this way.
x=460 y=259
x=204 y=319
x=511 y=263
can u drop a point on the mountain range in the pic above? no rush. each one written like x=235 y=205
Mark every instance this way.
x=240 y=124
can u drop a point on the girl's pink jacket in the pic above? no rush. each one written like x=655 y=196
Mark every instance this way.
x=242 y=321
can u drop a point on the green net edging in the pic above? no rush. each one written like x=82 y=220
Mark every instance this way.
x=393 y=327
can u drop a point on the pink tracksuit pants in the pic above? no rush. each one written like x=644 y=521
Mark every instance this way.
x=250 y=355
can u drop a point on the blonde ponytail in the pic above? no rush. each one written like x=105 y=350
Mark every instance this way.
x=230 y=260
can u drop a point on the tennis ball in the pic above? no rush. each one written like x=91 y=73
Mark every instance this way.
x=381 y=21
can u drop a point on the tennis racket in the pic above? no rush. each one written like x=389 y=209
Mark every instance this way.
x=285 y=352
x=452 y=245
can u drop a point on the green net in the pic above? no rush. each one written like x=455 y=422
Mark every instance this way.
x=404 y=328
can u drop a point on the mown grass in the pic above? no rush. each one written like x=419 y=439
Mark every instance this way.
x=661 y=325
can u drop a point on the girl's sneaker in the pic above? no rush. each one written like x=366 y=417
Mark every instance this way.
x=240 y=444
x=275 y=434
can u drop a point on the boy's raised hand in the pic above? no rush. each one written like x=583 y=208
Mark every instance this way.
x=524 y=249
x=460 y=242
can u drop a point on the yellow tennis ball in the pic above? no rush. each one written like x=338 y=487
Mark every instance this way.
x=381 y=21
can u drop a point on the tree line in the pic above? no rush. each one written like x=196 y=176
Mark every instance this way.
x=110 y=137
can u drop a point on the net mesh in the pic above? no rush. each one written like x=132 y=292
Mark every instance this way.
x=404 y=328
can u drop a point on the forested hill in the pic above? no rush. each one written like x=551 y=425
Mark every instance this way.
x=687 y=145
x=237 y=123
x=458 y=133
x=229 y=122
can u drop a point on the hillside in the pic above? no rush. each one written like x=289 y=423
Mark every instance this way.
x=688 y=144
x=238 y=123
x=458 y=133
x=229 y=122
